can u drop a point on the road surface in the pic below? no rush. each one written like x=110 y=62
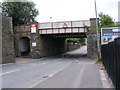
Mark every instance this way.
x=71 y=70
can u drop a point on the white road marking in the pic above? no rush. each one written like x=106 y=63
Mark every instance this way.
x=22 y=62
x=35 y=65
x=48 y=77
x=6 y=64
x=51 y=75
x=38 y=64
x=21 y=69
x=9 y=72
x=43 y=63
x=30 y=61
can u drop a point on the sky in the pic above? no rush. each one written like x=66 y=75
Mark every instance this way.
x=70 y=10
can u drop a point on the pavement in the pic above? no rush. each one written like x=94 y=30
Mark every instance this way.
x=71 y=70
x=79 y=74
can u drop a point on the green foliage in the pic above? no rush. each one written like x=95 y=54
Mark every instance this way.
x=105 y=20
x=21 y=12
x=92 y=31
x=77 y=40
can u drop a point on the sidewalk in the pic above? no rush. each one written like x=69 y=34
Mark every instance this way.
x=23 y=60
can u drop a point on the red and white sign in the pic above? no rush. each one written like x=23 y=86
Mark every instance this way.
x=33 y=28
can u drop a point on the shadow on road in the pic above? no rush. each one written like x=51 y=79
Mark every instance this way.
x=74 y=56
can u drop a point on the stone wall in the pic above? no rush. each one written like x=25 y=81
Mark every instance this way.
x=92 y=45
x=45 y=46
x=71 y=47
x=0 y=40
x=21 y=31
x=7 y=41
x=92 y=23
x=24 y=31
x=92 y=40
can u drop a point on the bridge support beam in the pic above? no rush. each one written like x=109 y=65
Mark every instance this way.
x=92 y=40
x=91 y=46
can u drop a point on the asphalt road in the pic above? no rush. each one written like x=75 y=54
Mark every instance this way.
x=71 y=70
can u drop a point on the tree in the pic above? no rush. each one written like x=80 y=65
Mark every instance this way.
x=105 y=20
x=21 y=12
x=77 y=40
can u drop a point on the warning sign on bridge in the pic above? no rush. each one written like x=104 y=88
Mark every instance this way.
x=33 y=28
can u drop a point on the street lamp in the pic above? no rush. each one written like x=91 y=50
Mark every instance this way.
x=98 y=44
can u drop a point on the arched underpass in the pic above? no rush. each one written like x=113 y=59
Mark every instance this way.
x=24 y=46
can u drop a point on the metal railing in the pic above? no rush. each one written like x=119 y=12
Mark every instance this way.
x=110 y=54
x=64 y=27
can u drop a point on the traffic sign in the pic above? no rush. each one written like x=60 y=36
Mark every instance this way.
x=33 y=28
x=109 y=34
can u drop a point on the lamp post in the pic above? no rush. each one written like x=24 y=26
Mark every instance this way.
x=119 y=12
x=98 y=44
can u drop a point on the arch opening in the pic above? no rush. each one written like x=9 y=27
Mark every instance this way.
x=24 y=46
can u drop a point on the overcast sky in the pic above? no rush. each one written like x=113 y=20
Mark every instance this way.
x=66 y=10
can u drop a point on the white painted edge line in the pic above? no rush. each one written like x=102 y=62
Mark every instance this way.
x=42 y=63
x=30 y=61
x=23 y=62
x=9 y=72
x=17 y=70
x=5 y=64
x=48 y=77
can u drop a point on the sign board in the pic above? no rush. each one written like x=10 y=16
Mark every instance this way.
x=109 y=34
x=34 y=44
x=33 y=28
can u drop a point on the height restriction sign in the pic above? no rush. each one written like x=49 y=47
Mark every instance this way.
x=33 y=28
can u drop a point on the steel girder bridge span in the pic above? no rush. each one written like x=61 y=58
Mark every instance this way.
x=67 y=29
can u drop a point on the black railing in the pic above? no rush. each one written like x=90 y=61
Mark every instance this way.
x=110 y=54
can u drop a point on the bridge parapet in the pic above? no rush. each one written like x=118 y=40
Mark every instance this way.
x=64 y=27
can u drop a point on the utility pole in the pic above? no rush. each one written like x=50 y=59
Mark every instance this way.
x=98 y=43
x=119 y=13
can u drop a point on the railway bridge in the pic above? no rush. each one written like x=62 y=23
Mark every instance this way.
x=50 y=38
x=45 y=39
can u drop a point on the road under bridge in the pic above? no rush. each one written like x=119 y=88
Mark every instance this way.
x=45 y=39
